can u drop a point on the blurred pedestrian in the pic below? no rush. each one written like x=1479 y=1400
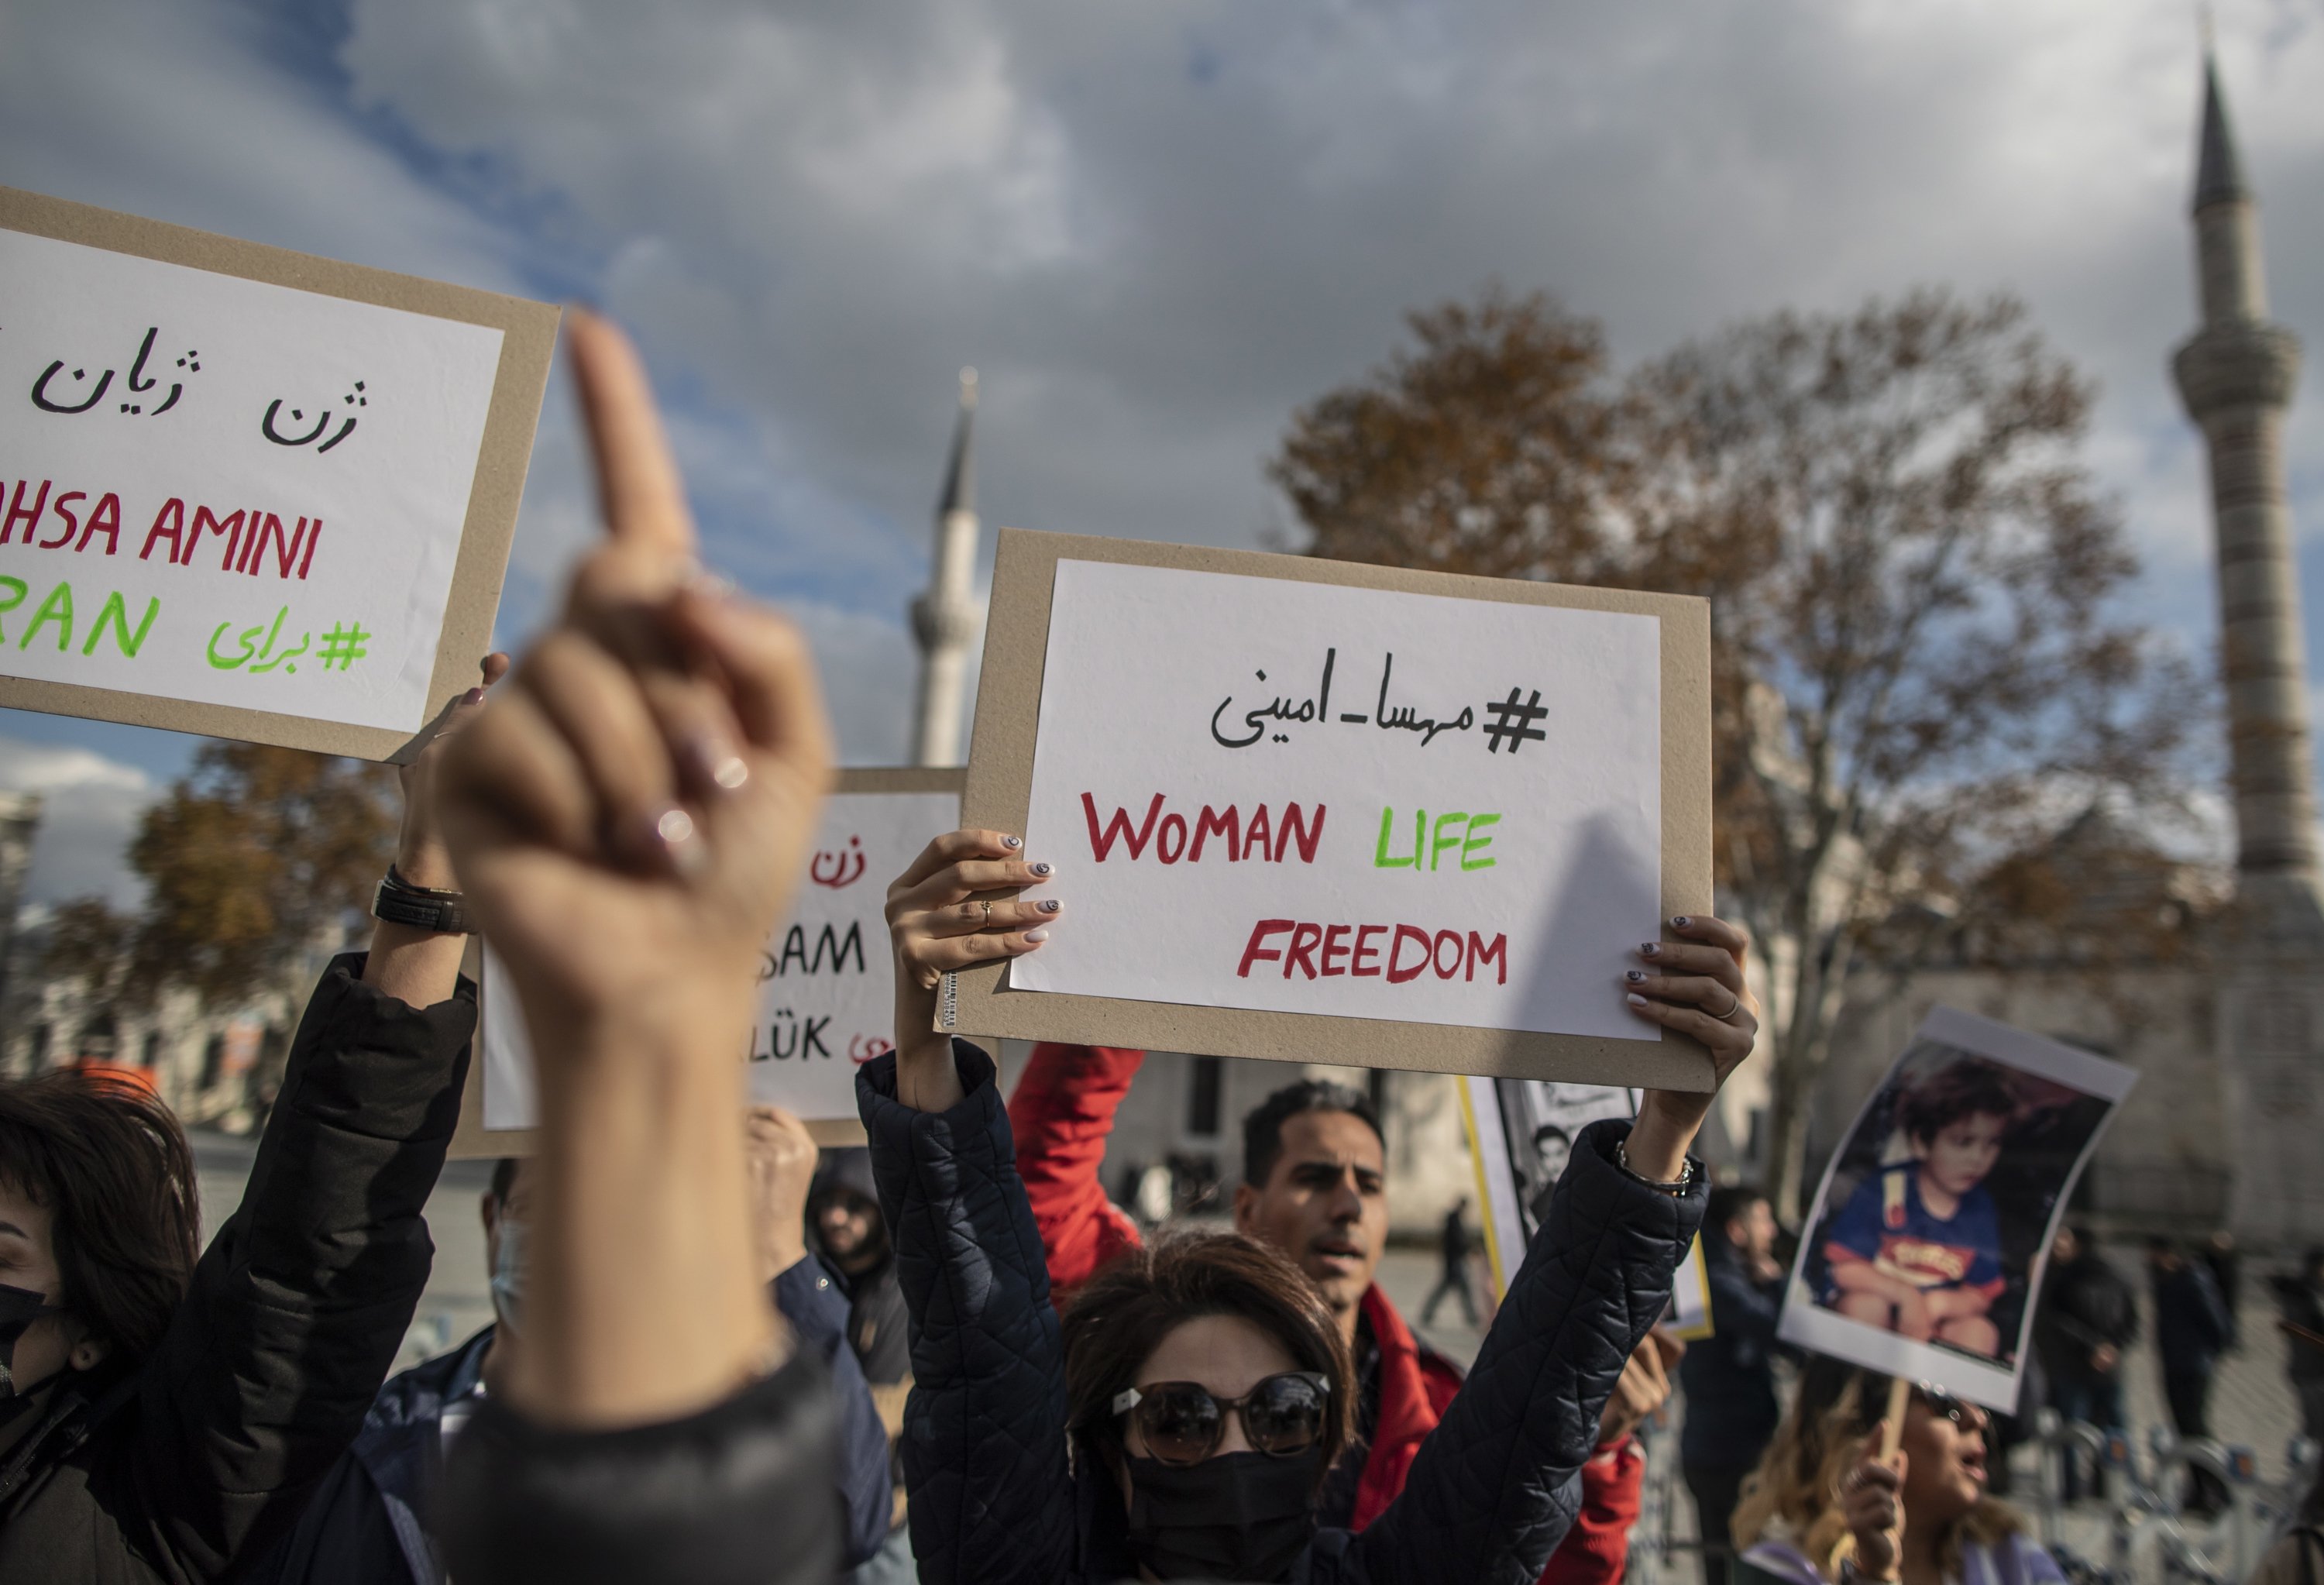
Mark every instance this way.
x=2225 y=1264
x=1729 y=1377
x=2191 y=1330
x=1453 y=1247
x=2301 y=1297
x=2087 y=1319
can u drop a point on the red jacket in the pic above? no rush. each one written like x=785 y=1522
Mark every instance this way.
x=1061 y=1114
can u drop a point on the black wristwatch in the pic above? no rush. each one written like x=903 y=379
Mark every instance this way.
x=399 y=902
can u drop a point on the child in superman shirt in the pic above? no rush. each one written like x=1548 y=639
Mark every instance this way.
x=1917 y=1248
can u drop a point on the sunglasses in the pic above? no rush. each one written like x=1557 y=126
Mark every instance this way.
x=1183 y=1422
x=1943 y=1405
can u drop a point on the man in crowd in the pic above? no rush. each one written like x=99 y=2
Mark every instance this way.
x=2191 y=1329
x=1452 y=1247
x=1315 y=1186
x=1729 y=1377
x=843 y=1210
x=2301 y=1297
x=369 y=1523
x=2086 y=1318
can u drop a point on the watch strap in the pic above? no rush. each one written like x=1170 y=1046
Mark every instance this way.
x=399 y=902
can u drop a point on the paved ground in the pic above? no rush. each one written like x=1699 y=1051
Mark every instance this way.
x=2250 y=1405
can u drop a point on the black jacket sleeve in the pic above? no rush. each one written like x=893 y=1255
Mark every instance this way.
x=984 y=1430
x=301 y=1302
x=1493 y=1489
x=811 y=1302
x=741 y=1493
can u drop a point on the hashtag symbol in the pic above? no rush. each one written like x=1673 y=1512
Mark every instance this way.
x=1513 y=722
x=344 y=646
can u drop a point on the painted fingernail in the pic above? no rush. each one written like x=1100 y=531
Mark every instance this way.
x=674 y=834
x=1635 y=976
x=1049 y=905
x=1012 y=843
x=1648 y=949
x=1635 y=999
x=1042 y=869
x=1037 y=936
x=473 y=696
x=1681 y=921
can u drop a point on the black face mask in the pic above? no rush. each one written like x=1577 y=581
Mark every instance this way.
x=1235 y=1516
x=19 y=1308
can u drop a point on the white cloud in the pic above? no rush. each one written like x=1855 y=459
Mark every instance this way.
x=90 y=809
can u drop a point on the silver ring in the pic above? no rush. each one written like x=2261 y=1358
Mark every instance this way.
x=988 y=912
x=1736 y=1008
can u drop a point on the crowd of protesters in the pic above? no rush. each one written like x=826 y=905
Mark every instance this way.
x=948 y=1357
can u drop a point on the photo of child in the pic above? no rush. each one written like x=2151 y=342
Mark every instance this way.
x=1917 y=1248
x=1547 y=1117
x=1928 y=1235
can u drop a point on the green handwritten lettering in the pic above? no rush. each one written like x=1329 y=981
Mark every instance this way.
x=116 y=612
x=1475 y=842
x=1379 y=857
x=57 y=607
x=11 y=594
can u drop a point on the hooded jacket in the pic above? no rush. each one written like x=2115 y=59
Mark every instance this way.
x=1060 y=1117
x=996 y=1499
x=196 y=1458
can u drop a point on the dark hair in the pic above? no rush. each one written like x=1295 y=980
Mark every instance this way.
x=1971 y=1087
x=1550 y=1131
x=1122 y=1315
x=1262 y=1130
x=1731 y=1202
x=110 y=1165
x=505 y=1172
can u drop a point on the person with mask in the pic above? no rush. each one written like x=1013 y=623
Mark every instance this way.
x=629 y=823
x=843 y=1212
x=372 y=1522
x=1825 y=1508
x=1316 y=1187
x=165 y=1417
x=1729 y=1377
x=1169 y=1430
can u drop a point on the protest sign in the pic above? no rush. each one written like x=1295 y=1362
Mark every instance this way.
x=1319 y=812
x=1521 y=1133
x=246 y=492
x=827 y=979
x=1933 y=1227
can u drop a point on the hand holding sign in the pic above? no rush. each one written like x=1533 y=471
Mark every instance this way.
x=1700 y=992
x=1872 y=1505
x=941 y=918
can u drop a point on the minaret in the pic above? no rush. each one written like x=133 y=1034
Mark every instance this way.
x=2236 y=375
x=944 y=620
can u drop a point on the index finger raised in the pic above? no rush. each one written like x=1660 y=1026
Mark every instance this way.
x=639 y=488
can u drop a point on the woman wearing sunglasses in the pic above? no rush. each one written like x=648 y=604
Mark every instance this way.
x=1181 y=1420
x=1823 y=1508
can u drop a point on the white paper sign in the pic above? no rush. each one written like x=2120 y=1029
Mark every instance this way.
x=228 y=492
x=1933 y=1223
x=827 y=987
x=1306 y=797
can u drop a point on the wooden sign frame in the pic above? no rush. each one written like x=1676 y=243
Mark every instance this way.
x=527 y=341
x=472 y=1140
x=1000 y=794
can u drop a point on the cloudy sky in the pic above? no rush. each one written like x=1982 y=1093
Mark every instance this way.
x=1155 y=229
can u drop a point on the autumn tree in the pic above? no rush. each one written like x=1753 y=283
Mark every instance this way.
x=1917 y=655
x=253 y=856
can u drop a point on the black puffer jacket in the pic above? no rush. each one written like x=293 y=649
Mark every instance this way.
x=993 y=1496
x=206 y=1452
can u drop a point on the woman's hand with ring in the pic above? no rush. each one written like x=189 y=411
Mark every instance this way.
x=1696 y=986
x=939 y=923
